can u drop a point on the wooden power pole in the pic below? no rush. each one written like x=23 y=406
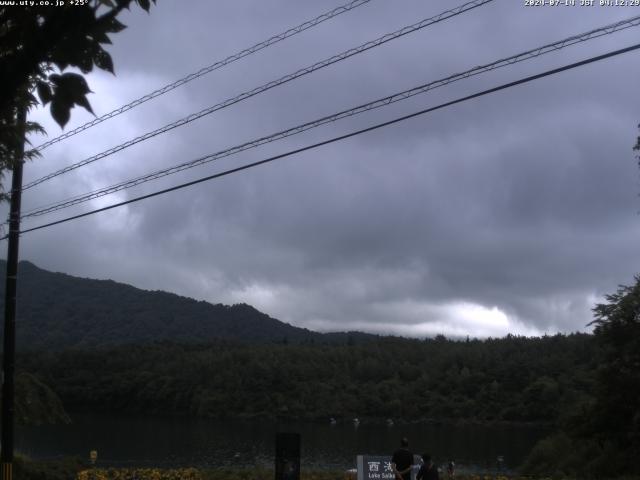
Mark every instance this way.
x=9 y=352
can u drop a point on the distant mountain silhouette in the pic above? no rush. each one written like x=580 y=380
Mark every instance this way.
x=58 y=311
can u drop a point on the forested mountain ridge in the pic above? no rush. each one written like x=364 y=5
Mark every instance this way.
x=160 y=353
x=58 y=311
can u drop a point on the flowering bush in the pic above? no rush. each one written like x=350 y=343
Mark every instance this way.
x=140 y=474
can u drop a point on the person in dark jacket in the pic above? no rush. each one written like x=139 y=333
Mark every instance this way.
x=402 y=460
x=428 y=471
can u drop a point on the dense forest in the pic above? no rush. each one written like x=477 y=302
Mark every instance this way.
x=510 y=379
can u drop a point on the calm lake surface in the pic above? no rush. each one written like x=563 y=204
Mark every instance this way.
x=179 y=442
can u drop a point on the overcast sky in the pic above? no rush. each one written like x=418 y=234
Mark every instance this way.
x=510 y=213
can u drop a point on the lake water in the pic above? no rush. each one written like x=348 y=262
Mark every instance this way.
x=179 y=442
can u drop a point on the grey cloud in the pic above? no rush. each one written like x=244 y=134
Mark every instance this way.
x=514 y=212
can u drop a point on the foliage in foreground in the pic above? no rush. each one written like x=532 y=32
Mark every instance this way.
x=604 y=438
x=561 y=455
x=37 y=45
x=36 y=403
x=63 y=469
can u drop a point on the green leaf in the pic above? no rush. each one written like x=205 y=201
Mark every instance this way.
x=44 y=92
x=85 y=62
x=83 y=102
x=34 y=127
x=71 y=88
x=61 y=64
x=114 y=26
x=75 y=83
x=55 y=79
x=60 y=111
x=100 y=36
x=30 y=99
x=103 y=60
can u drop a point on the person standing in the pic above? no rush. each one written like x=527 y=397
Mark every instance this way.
x=428 y=470
x=402 y=460
x=451 y=469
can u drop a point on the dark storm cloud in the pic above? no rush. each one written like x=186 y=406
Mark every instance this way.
x=511 y=213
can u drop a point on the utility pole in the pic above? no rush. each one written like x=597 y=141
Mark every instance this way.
x=9 y=353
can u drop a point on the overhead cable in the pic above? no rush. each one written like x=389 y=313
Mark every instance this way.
x=205 y=70
x=520 y=57
x=267 y=86
x=341 y=137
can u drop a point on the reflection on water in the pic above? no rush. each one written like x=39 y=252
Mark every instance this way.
x=179 y=442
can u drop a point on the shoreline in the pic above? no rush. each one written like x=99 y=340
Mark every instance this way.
x=363 y=421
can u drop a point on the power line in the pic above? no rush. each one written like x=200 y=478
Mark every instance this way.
x=608 y=29
x=343 y=137
x=267 y=86
x=529 y=54
x=203 y=71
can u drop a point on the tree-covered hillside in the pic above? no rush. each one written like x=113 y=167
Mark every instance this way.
x=112 y=347
x=510 y=379
x=57 y=311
